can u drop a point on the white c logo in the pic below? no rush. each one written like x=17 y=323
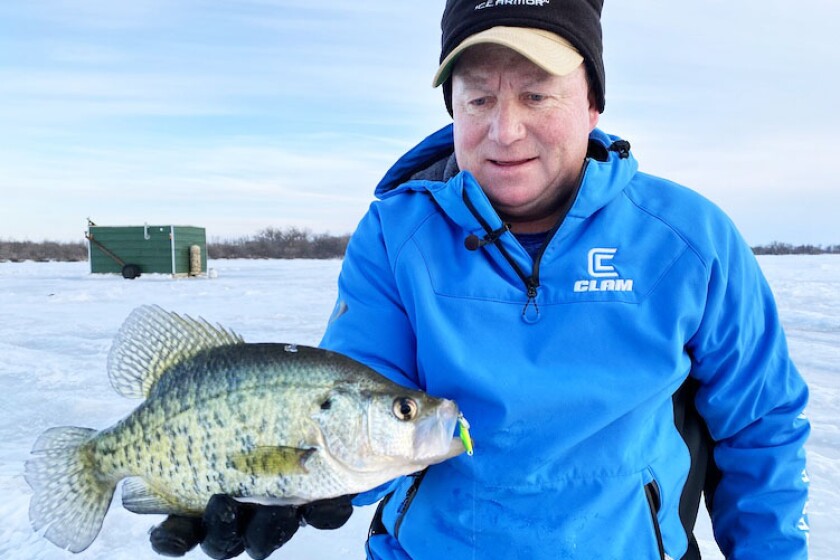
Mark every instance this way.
x=598 y=263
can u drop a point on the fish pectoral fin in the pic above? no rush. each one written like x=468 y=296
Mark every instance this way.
x=273 y=461
x=138 y=496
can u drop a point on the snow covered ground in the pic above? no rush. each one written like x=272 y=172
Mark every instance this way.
x=57 y=322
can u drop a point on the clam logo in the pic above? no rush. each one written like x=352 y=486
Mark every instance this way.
x=599 y=266
x=603 y=275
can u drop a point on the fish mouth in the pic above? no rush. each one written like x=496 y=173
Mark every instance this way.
x=434 y=440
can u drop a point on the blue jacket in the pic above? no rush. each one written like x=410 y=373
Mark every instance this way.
x=565 y=366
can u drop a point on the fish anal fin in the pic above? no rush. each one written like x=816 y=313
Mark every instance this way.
x=273 y=461
x=140 y=497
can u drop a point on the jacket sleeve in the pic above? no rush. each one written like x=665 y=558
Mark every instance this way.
x=752 y=398
x=369 y=323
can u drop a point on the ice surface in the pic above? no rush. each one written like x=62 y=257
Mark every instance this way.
x=57 y=322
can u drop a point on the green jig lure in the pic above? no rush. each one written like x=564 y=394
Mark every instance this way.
x=464 y=433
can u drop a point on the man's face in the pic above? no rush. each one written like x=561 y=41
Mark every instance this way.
x=521 y=132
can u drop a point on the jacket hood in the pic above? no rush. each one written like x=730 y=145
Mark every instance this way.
x=610 y=166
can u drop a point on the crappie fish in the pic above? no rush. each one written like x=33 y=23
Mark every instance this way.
x=271 y=423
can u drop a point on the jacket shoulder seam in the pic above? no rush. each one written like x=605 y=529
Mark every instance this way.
x=400 y=246
x=670 y=226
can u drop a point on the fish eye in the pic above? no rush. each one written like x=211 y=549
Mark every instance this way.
x=405 y=409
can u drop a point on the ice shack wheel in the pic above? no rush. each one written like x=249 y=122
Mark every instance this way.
x=130 y=271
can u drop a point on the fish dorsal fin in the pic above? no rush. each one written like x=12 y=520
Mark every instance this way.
x=152 y=340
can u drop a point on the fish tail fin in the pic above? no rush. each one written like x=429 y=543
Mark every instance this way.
x=70 y=497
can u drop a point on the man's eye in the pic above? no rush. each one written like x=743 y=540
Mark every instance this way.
x=536 y=97
x=479 y=102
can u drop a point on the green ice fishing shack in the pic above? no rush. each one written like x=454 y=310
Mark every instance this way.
x=133 y=250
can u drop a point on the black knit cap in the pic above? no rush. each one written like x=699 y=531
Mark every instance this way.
x=577 y=21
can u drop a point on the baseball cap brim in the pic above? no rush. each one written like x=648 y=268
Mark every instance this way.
x=549 y=51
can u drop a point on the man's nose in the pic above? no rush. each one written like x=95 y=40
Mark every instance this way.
x=508 y=123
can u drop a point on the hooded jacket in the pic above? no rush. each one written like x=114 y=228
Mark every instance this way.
x=566 y=364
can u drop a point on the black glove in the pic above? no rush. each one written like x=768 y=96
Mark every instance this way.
x=229 y=528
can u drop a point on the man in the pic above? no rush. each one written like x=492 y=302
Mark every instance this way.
x=577 y=310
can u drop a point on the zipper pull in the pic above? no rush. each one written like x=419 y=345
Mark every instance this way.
x=531 y=311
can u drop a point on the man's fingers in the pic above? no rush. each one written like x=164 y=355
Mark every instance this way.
x=177 y=535
x=270 y=528
x=224 y=521
x=327 y=514
x=228 y=527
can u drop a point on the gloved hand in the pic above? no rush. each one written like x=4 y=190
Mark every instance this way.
x=229 y=528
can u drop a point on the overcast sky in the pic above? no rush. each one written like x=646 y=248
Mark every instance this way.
x=237 y=115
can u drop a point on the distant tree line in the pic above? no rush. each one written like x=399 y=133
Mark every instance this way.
x=43 y=251
x=274 y=243
x=777 y=248
x=270 y=243
x=288 y=243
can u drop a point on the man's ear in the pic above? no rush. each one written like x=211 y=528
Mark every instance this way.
x=594 y=113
